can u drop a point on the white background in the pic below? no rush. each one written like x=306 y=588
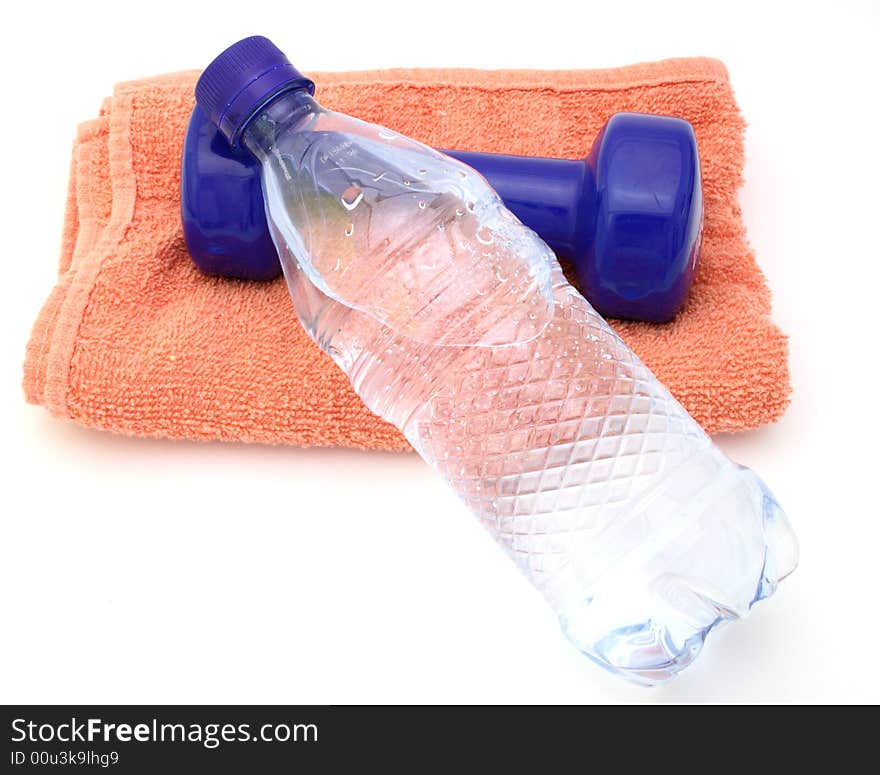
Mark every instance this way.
x=135 y=571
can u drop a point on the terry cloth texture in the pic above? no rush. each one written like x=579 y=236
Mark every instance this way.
x=134 y=339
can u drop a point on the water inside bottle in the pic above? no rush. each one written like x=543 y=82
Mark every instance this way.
x=456 y=324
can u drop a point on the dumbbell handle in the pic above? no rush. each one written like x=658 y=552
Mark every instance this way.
x=554 y=197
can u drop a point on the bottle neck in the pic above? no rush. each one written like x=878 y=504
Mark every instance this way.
x=281 y=114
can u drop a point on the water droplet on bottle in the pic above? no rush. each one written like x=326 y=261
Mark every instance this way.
x=349 y=230
x=459 y=212
x=500 y=277
x=351 y=197
x=462 y=174
x=470 y=206
x=441 y=227
x=379 y=177
x=422 y=205
x=423 y=172
x=386 y=134
x=484 y=235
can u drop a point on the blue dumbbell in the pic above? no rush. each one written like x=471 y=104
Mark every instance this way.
x=628 y=217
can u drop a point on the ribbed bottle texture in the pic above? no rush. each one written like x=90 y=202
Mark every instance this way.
x=456 y=323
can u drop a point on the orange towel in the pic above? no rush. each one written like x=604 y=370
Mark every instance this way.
x=134 y=339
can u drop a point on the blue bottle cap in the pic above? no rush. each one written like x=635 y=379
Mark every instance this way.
x=241 y=80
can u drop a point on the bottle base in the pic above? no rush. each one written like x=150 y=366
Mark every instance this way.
x=683 y=607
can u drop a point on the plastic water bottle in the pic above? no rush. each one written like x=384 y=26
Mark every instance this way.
x=455 y=323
